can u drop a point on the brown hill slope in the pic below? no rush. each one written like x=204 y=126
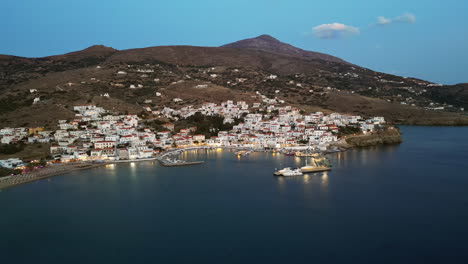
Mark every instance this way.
x=236 y=71
x=213 y=56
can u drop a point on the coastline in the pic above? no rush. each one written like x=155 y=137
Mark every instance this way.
x=47 y=172
x=59 y=169
x=386 y=137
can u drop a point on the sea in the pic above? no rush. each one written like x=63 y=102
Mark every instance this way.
x=404 y=203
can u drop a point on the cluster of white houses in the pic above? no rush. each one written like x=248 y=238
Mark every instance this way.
x=268 y=125
x=94 y=134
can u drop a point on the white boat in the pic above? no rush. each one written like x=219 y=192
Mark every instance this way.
x=290 y=173
x=280 y=172
x=287 y=172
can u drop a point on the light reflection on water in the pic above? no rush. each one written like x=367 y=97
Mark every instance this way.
x=324 y=182
x=306 y=178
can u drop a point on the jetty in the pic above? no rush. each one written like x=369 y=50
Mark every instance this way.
x=177 y=163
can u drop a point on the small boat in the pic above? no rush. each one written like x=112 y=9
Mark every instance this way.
x=280 y=172
x=289 y=153
x=243 y=152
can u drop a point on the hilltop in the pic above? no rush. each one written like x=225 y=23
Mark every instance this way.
x=270 y=44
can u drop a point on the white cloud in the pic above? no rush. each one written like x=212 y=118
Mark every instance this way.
x=334 y=30
x=383 y=21
x=405 y=18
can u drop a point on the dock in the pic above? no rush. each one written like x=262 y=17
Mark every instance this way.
x=178 y=163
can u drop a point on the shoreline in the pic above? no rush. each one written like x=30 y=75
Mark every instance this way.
x=59 y=169
x=41 y=174
x=55 y=170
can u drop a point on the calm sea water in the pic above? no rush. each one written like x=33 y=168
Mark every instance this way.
x=398 y=204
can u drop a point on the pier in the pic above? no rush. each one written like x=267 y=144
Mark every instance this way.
x=177 y=163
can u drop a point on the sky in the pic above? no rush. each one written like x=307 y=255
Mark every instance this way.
x=426 y=39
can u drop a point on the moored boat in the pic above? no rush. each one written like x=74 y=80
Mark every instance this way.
x=243 y=152
x=318 y=164
x=290 y=173
x=280 y=172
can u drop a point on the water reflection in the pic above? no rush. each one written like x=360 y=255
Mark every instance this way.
x=133 y=170
x=306 y=178
x=111 y=170
x=110 y=166
x=324 y=182
x=280 y=180
x=297 y=162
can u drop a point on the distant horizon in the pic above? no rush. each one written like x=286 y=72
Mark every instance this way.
x=419 y=39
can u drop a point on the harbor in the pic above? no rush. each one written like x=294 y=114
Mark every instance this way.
x=168 y=158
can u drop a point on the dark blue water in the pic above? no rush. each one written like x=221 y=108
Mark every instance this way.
x=399 y=204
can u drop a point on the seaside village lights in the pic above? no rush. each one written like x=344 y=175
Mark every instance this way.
x=94 y=134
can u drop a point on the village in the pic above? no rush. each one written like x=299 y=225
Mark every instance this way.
x=96 y=135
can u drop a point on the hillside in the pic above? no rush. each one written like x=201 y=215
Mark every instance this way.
x=154 y=76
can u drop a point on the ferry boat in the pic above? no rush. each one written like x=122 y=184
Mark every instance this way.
x=318 y=164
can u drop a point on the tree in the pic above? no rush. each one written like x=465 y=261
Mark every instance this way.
x=11 y=148
x=348 y=130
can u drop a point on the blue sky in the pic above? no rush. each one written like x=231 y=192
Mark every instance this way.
x=434 y=46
